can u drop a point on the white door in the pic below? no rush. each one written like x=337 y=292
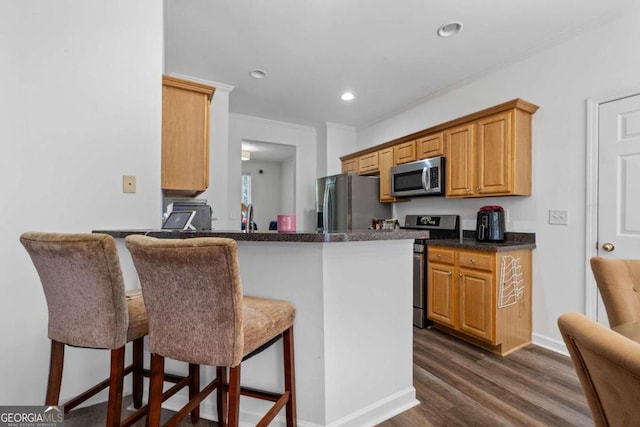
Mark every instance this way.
x=618 y=182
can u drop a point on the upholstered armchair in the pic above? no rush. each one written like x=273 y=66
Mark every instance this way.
x=608 y=366
x=619 y=285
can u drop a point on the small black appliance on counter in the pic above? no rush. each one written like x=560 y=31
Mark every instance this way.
x=202 y=219
x=490 y=224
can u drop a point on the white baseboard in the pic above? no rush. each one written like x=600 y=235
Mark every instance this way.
x=550 y=344
x=379 y=411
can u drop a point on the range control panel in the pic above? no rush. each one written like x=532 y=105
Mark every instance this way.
x=432 y=222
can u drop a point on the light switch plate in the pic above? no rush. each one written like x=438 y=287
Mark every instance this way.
x=558 y=217
x=128 y=184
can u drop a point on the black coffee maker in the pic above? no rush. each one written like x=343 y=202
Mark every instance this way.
x=490 y=224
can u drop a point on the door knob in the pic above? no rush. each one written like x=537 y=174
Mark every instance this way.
x=608 y=247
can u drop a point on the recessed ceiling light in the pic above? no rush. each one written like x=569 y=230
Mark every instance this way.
x=449 y=29
x=347 y=96
x=258 y=74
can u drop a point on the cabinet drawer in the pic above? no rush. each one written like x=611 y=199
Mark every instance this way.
x=440 y=255
x=475 y=260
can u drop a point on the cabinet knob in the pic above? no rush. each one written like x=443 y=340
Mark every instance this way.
x=438 y=256
x=449 y=273
x=459 y=274
x=472 y=261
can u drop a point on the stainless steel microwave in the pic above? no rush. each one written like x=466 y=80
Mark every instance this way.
x=421 y=178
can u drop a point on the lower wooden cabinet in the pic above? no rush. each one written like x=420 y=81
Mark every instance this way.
x=482 y=297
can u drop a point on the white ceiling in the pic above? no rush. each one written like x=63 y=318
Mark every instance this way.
x=386 y=52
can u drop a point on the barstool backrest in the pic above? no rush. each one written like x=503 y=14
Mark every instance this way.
x=619 y=285
x=193 y=296
x=83 y=286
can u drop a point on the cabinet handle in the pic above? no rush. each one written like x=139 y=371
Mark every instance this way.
x=472 y=261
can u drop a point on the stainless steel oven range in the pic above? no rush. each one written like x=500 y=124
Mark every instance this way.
x=439 y=227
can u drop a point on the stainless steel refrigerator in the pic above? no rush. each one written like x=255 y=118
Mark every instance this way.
x=348 y=202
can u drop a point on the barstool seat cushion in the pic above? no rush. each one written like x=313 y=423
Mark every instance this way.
x=264 y=319
x=138 y=324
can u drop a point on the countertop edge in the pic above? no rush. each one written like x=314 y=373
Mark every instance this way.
x=285 y=237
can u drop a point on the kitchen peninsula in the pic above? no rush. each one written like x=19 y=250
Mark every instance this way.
x=353 y=327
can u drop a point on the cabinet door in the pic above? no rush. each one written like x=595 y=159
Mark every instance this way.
x=477 y=304
x=405 y=152
x=460 y=167
x=368 y=163
x=442 y=294
x=494 y=154
x=430 y=146
x=350 y=166
x=385 y=161
x=185 y=136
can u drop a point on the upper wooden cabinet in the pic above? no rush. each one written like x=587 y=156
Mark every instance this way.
x=350 y=166
x=386 y=158
x=488 y=153
x=368 y=163
x=405 y=152
x=430 y=146
x=185 y=136
x=459 y=168
x=490 y=156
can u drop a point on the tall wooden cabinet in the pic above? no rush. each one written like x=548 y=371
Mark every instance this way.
x=482 y=297
x=386 y=161
x=185 y=136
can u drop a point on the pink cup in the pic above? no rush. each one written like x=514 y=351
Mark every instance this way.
x=286 y=223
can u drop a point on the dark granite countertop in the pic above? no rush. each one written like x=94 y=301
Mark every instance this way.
x=513 y=241
x=274 y=236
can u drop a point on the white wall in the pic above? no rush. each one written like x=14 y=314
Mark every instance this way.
x=302 y=137
x=80 y=106
x=341 y=140
x=266 y=197
x=559 y=80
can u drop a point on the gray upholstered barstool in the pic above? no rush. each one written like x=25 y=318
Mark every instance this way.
x=88 y=307
x=198 y=314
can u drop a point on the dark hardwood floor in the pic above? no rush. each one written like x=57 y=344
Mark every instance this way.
x=461 y=385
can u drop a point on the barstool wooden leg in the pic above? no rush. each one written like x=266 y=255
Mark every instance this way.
x=234 y=396
x=138 y=374
x=289 y=376
x=56 y=363
x=116 y=379
x=221 y=398
x=155 y=390
x=194 y=389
